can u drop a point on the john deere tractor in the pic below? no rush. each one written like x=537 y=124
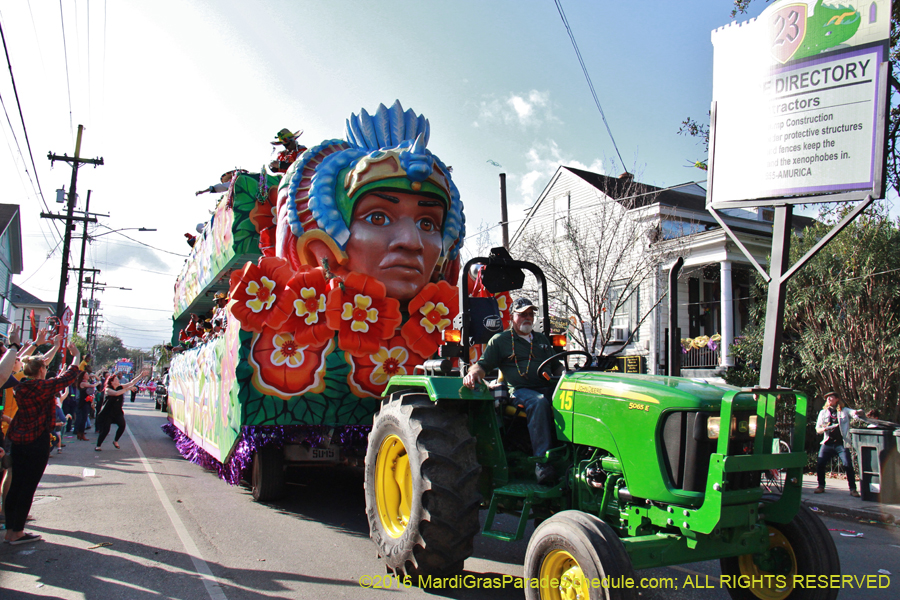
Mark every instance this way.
x=653 y=471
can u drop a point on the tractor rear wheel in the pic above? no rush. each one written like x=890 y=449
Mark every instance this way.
x=421 y=486
x=801 y=547
x=578 y=550
x=267 y=475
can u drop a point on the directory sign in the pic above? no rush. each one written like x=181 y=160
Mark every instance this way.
x=799 y=98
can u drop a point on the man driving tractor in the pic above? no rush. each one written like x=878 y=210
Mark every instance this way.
x=517 y=353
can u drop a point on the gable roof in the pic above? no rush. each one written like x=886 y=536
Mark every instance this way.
x=641 y=194
x=20 y=297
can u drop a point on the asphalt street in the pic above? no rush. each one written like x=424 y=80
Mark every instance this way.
x=142 y=522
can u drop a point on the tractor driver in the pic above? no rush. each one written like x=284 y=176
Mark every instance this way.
x=517 y=353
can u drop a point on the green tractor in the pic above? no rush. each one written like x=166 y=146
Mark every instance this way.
x=653 y=471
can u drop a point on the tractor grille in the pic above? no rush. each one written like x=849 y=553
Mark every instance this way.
x=686 y=449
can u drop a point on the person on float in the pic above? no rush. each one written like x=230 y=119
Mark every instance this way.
x=834 y=422
x=517 y=353
x=30 y=437
x=289 y=152
x=220 y=313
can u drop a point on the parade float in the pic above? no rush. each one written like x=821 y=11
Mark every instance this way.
x=338 y=276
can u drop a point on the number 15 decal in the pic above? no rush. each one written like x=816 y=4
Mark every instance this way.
x=565 y=400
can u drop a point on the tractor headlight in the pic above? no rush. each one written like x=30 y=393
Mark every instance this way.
x=745 y=427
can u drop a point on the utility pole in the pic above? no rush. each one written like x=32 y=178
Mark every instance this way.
x=76 y=161
x=88 y=218
x=504 y=216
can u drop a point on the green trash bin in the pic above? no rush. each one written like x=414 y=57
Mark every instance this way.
x=879 y=463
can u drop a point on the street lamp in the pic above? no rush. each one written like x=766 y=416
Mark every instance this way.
x=93 y=237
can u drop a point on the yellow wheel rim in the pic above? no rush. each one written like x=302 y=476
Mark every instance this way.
x=780 y=551
x=563 y=567
x=393 y=486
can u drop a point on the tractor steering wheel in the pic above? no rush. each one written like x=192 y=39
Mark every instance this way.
x=563 y=355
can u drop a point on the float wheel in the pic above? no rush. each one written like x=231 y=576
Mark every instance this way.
x=267 y=474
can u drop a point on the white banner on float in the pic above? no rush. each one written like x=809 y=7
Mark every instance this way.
x=797 y=103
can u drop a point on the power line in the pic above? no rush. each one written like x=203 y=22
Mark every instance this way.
x=24 y=128
x=66 y=60
x=565 y=21
x=152 y=247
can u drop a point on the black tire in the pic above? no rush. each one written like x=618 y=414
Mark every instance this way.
x=426 y=523
x=578 y=549
x=267 y=474
x=804 y=546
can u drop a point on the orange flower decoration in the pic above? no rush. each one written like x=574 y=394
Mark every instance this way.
x=265 y=218
x=256 y=294
x=430 y=312
x=361 y=313
x=370 y=374
x=306 y=307
x=283 y=368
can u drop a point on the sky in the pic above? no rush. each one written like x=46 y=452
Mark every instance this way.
x=174 y=92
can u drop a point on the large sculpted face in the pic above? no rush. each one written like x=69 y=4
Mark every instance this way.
x=395 y=237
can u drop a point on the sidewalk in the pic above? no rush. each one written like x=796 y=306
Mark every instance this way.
x=837 y=502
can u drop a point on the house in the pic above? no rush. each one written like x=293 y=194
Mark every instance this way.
x=23 y=303
x=10 y=258
x=635 y=232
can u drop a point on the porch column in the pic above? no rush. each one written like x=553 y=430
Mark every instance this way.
x=727 y=312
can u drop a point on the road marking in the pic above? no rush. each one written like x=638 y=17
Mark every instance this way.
x=209 y=580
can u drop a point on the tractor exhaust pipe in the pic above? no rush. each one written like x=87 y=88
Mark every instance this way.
x=674 y=365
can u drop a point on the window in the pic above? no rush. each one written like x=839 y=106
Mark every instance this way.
x=622 y=306
x=561 y=206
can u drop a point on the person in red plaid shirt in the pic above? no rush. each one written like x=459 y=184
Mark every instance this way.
x=30 y=437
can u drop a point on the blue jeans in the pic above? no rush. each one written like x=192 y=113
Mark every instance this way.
x=81 y=415
x=540 y=418
x=826 y=451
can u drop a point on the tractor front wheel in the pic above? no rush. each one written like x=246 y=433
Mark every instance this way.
x=577 y=552
x=801 y=547
x=421 y=488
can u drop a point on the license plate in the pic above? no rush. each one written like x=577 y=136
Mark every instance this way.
x=304 y=454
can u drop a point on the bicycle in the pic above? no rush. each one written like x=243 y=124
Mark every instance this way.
x=773 y=479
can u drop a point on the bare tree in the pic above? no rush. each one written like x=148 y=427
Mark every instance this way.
x=601 y=263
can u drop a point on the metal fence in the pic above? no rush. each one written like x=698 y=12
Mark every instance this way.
x=700 y=358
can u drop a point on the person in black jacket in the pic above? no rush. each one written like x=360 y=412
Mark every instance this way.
x=113 y=411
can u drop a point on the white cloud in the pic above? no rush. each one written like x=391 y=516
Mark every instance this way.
x=542 y=160
x=527 y=110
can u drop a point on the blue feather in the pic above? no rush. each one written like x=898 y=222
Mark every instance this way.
x=354 y=134
x=421 y=127
x=382 y=126
x=409 y=129
x=368 y=130
x=396 y=115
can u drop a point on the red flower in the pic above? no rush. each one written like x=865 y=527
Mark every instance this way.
x=361 y=314
x=306 y=307
x=257 y=294
x=430 y=312
x=283 y=368
x=369 y=375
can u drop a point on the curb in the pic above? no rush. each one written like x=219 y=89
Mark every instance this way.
x=850 y=513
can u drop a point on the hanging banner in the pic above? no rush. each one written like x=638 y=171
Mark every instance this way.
x=799 y=101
